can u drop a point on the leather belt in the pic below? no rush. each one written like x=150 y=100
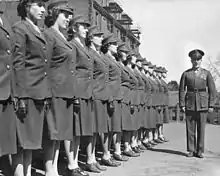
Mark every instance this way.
x=196 y=90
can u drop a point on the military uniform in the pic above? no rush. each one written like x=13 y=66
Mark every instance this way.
x=197 y=94
x=62 y=78
x=31 y=84
x=166 y=102
x=7 y=115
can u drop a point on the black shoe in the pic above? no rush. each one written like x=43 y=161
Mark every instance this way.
x=92 y=168
x=199 y=155
x=76 y=172
x=152 y=143
x=109 y=163
x=136 y=149
x=142 y=147
x=190 y=154
x=163 y=139
x=158 y=141
x=148 y=145
x=101 y=168
x=116 y=162
x=131 y=153
x=118 y=157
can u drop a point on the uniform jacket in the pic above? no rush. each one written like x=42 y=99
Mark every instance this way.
x=30 y=62
x=135 y=99
x=100 y=76
x=160 y=94
x=6 y=48
x=147 y=90
x=114 y=84
x=154 y=91
x=197 y=90
x=141 y=87
x=62 y=65
x=166 y=92
x=84 y=71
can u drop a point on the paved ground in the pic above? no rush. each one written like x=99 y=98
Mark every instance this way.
x=169 y=159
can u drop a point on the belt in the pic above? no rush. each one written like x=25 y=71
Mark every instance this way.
x=196 y=90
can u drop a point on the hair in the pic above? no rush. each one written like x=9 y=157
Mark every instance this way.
x=88 y=40
x=104 y=48
x=72 y=30
x=22 y=6
x=51 y=17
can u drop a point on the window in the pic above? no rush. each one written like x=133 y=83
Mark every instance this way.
x=123 y=37
x=110 y=26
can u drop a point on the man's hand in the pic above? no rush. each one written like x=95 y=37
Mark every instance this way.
x=210 y=110
x=183 y=109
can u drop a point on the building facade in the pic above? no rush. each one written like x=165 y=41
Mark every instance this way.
x=106 y=14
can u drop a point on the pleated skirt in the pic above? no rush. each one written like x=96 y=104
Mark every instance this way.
x=151 y=118
x=126 y=118
x=8 y=143
x=166 y=115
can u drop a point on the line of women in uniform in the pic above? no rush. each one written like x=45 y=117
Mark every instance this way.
x=68 y=81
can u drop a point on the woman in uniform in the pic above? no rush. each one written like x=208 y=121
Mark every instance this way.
x=100 y=93
x=83 y=120
x=127 y=84
x=109 y=49
x=32 y=89
x=7 y=115
x=61 y=72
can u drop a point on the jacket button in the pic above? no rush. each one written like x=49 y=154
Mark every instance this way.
x=72 y=71
x=44 y=48
x=8 y=51
x=45 y=73
x=89 y=77
x=45 y=60
x=8 y=67
x=7 y=36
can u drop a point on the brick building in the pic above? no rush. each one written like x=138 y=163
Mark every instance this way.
x=107 y=14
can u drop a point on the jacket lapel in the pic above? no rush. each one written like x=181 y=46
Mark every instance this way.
x=83 y=49
x=37 y=34
x=61 y=38
x=6 y=26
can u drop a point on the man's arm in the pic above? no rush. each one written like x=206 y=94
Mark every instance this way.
x=182 y=88
x=211 y=90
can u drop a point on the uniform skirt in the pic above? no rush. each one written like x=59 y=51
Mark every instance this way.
x=152 y=113
x=146 y=117
x=8 y=144
x=63 y=116
x=141 y=116
x=116 y=117
x=159 y=116
x=39 y=121
x=126 y=118
x=103 y=124
x=83 y=118
x=134 y=119
x=166 y=115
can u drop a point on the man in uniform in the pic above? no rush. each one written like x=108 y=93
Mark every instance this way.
x=197 y=97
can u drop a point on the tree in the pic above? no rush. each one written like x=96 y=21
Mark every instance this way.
x=173 y=86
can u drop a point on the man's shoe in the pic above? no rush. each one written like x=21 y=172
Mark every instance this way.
x=190 y=154
x=118 y=157
x=92 y=168
x=131 y=153
x=199 y=155
x=101 y=168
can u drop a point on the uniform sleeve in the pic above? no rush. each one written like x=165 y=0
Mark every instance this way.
x=182 y=88
x=18 y=60
x=211 y=90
